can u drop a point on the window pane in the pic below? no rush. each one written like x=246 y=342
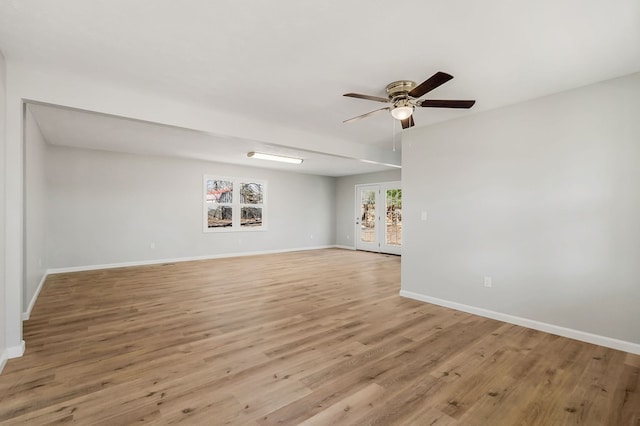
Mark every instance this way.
x=251 y=193
x=218 y=216
x=394 y=217
x=219 y=191
x=251 y=216
x=368 y=215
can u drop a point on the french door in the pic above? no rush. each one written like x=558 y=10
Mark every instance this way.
x=379 y=217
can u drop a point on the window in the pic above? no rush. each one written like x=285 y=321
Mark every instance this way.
x=251 y=204
x=233 y=204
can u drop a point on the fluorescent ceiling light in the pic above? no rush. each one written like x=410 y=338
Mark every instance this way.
x=271 y=157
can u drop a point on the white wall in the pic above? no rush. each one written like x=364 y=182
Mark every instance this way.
x=544 y=197
x=35 y=211
x=14 y=226
x=3 y=307
x=106 y=208
x=345 y=202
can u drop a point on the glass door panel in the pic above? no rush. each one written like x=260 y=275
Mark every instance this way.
x=392 y=241
x=367 y=220
x=368 y=216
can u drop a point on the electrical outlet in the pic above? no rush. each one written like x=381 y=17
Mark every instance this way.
x=487 y=282
x=152 y=245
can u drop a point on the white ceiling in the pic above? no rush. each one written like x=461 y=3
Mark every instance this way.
x=289 y=62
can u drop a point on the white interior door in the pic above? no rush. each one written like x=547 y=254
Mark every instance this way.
x=379 y=217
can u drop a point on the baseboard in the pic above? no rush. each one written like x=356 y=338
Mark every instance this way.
x=596 y=339
x=27 y=315
x=178 y=259
x=16 y=351
x=12 y=352
x=3 y=360
x=345 y=247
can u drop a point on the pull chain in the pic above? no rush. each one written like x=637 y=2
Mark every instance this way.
x=394 y=135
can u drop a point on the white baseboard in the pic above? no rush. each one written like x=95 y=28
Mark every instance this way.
x=26 y=315
x=178 y=259
x=16 y=351
x=4 y=357
x=12 y=352
x=596 y=339
x=345 y=247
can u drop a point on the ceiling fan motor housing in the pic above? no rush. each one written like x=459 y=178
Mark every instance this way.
x=398 y=92
x=400 y=89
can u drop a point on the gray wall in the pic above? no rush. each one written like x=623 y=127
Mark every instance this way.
x=3 y=307
x=543 y=197
x=109 y=207
x=35 y=210
x=345 y=202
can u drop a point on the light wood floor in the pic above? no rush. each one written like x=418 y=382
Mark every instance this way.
x=319 y=338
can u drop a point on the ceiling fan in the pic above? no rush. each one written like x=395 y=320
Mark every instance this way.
x=404 y=97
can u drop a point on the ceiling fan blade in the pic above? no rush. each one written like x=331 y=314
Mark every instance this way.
x=429 y=84
x=407 y=122
x=367 y=97
x=365 y=115
x=435 y=103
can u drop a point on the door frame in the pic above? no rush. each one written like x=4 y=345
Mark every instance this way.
x=380 y=245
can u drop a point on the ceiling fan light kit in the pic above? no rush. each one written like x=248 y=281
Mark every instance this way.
x=401 y=112
x=404 y=96
x=272 y=157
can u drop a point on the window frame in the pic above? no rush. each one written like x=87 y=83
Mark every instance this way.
x=236 y=205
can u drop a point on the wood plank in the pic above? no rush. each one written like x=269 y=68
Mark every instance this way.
x=349 y=409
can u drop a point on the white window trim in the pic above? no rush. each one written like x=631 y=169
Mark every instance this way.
x=235 y=205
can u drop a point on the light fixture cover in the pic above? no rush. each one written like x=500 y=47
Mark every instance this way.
x=271 y=157
x=402 y=112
